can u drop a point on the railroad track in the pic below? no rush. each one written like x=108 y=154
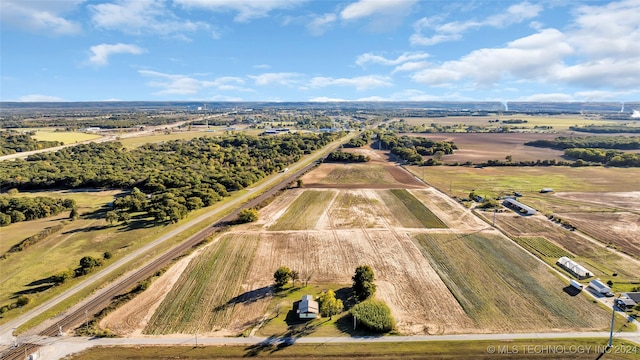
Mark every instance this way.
x=120 y=286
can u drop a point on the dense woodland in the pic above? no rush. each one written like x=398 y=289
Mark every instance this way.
x=607 y=129
x=172 y=177
x=114 y=121
x=12 y=142
x=341 y=156
x=604 y=156
x=599 y=142
x=412 y=149
x=15 y=209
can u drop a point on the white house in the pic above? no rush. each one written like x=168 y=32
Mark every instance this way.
x=308 y=308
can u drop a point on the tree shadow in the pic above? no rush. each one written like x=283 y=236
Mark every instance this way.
x=571 y=291
x=140 y=223
x=34 y=290
x=87 y=229
x=346 y=295
x=47 y=280
x=248 y=297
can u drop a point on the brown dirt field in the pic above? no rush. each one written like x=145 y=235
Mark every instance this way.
x=402 y=273
x=480 y=147
x=621 y=229
x=448 y=210
x=625 y=200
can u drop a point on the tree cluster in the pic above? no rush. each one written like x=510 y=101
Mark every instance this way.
x=361 y=140
x=113 y=121
x=329 y=304
x=606 y=157
x=606 y=129
x=374 y=315
x=17 y=209
x=341 y=156
x=12 y=142
x=600 y=142
x=282 y=276
x=173 y=177
x=412 y=148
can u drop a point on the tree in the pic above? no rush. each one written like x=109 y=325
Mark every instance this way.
x=87 y=263
x=509 y=158
x=300 y=183
x=248 y=215
x=363 y=286
x=294 y=276
x=329 y=305
x=74 y=214
x=281 y=276
x=111 y=217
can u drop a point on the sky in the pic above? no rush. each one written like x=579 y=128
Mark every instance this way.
x=297 y=50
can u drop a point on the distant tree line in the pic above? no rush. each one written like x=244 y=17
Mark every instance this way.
x=172 y=178
x=341 y=156
x=12 y=142
x=605 y=157
x=117 y=121
x=606 y=129
x=16 y=209
x=601 y=142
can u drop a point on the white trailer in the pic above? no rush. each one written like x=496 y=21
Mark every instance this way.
x=575 y=284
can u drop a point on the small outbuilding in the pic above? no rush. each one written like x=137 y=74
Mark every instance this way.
x=517 y=205
x=625 y=303
x=600 y=287
x=308 y=308
x=574 y=268
x=546 y=190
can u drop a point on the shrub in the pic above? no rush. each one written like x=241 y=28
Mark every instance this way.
x=374 y=315
x=22 y=301
x=281 y=276
x=248 y=215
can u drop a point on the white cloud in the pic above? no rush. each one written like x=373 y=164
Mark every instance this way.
x=554 y=97
x=326 y=99
x=262 y=66
x=41 y=16
x=531 y=57
x=452 y=31
x=39 y=98
x=286 y=79
x=142 y=16
x=411 y=66
x=102 y=52
x=377 y=59
x=246 y=9
x=612 y=30
x=360 y=82
x=320 y=24
x=177 y=84
x=366 y=8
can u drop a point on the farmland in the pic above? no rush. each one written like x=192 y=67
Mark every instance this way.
x=520 y=298
x=415 y=239
x=213 y=280
x=557 y=122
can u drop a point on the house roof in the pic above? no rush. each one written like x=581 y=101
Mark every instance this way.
x=308 y=305
x=635 y=296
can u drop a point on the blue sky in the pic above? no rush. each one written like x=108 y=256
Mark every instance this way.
x=296 y=50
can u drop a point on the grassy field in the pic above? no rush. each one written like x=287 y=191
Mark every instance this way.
x=490 y=349
x=559 y=123
x=305 y=211
x=137 y=141
x=204 y=297
x=595 y=257
x=355 y=209
x=283 y=321
x=542 y=247
x=503 y=288
x=493 y=181
x=417 y=209
x=358 y=174
x=66 y=137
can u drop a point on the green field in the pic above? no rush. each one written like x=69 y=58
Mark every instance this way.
x=559 y=123
x=358 y=174
x=487 y=349
x=66 y=137
x=542 y=247
x=409 y=211
x=502 y=288
x=201 y=299
x=494 y=181
x=137 y=141
x=305 y=211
